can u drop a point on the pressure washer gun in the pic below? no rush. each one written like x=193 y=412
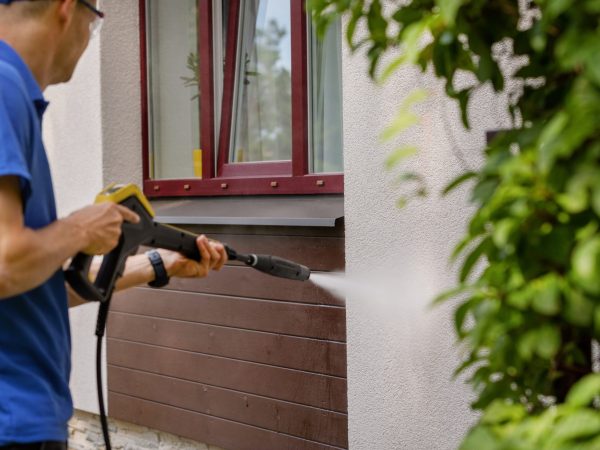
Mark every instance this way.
x=150 y=233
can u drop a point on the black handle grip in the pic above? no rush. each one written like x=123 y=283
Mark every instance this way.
x=171 y=238
x=113 y=263
x=78 y=277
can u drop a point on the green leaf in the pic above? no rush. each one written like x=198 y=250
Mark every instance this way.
x=398 y=155
x=356 y=15
x=538 y=38
x=448 y=10
x=411 y=49
x=579 y=309
x=473 y=257
x=543 y=341
x=458 y=181
x=548 y=140
x=459 y=318
x=584 y=391
x=503 y=232
x=546 y=297
x=548 y=341
x=479 y=438
x=376 y=22
x=526 y=345
x=406 y=15
x=451 y=293
x=597 y=322
x=596 y=199
x=401 y=202
x=461 y=246
x=520 y=299
x=484 y=190
x=586 y=265
x=500 y=411
x=556 y=7
x=575 y=426
x=404 y=118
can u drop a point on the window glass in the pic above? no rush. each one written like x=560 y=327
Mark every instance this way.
x=326 y=100
x=173 y=88
x=261 y=129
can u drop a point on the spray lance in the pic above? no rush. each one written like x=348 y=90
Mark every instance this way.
x=153 y=234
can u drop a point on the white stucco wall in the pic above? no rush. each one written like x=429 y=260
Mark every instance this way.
x=120 y=80
x=402 y=353
x=73 y=138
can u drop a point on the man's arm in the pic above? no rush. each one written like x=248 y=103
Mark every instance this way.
x=29 y=257
x=138 y=270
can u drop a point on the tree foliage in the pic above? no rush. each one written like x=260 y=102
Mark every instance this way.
x=529 y=316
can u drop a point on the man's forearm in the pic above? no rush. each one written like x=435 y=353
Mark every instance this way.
x=138 y=271
x=29 y=257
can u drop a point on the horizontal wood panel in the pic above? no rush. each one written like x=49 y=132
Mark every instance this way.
x=322 y=322
x=204 y=428
x=306 y=388
x=241 y=281
x=267 y=348
x=306 y=422
x=322 y=254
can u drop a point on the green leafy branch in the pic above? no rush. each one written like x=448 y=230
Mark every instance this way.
x=528 y=294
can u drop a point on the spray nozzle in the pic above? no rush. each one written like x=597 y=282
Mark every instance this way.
x=272 y=265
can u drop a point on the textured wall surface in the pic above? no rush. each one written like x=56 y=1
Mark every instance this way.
x=120 y=72
x=401 y=353
x=73 y=137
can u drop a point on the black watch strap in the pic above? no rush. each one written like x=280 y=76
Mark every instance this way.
x=160 y=273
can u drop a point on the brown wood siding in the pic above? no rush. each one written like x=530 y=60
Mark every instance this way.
x=240 y=359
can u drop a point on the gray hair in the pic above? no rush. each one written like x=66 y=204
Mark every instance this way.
x=30 y=8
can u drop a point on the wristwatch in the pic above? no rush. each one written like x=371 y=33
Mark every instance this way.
x=160 y=273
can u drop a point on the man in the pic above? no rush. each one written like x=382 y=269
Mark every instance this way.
x=40 y=44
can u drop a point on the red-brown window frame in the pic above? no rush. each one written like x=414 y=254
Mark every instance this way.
x=266 y=178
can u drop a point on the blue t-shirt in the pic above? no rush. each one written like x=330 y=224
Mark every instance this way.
x=35 y=342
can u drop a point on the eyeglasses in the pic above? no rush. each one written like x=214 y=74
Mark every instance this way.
x=97 y=23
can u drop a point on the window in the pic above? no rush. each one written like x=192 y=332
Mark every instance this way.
x=240 y=98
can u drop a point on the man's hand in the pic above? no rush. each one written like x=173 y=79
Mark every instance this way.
x=28 y=257
x=101 y=225
x=213 y=257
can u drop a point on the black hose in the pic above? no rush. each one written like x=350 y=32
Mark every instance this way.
x=272 y=265
x=100 y=327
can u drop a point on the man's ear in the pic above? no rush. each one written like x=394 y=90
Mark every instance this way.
x=65 y=10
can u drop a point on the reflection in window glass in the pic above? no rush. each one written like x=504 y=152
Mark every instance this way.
x=326 y=101
x=261 y=130
x=173 y=100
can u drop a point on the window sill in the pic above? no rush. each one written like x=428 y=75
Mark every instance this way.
x=287 y=211
x=318 y=184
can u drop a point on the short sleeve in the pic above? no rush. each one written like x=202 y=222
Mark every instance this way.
x=13 y=130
